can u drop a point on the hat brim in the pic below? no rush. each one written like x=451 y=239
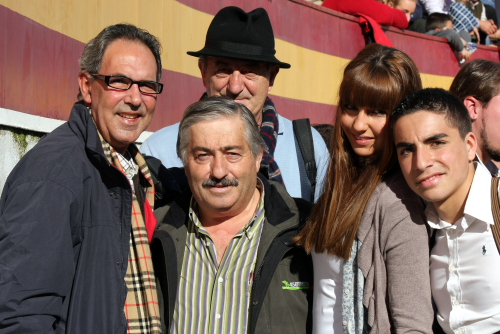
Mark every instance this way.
x=227 y=54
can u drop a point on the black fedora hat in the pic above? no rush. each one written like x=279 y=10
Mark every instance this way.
x=236 y=34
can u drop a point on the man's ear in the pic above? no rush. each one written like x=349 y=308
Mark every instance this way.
x=390 y=4
x=258 y=160
x=471 y=142
x=474 y=107
x=203 y=70
x=85 y=83
x=272 y=75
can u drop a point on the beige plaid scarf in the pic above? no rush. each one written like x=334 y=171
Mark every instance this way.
x=141 y=307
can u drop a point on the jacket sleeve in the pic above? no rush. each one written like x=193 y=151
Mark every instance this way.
x=36 y=256
x=406 y=255
x=382 y=14
x=453 y=39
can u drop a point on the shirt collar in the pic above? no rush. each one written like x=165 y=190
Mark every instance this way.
x=249 y=229
x=477 y=206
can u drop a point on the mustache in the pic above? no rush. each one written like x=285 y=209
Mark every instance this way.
x=225 y=182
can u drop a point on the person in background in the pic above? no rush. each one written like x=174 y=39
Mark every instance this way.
x=441 y=25
x=464 y=20
x=477 y=85
x=379 y=12
x=407 y=6
x=367 y=233
x=484 y=12
x=239 y=61
x=436 y=150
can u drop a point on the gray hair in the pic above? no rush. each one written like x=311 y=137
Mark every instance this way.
x=91 y=59
x=216 y=107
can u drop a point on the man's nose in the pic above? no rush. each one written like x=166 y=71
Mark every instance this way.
x=219 y=169
x=423 y=159
x=235 y=84
x=134 y=95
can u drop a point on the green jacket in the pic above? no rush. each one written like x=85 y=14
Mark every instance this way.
x=279 y=303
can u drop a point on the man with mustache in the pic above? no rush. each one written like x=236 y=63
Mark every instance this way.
x=76 y=212
x=224 y=255
x=436 y=150
x=238 y=61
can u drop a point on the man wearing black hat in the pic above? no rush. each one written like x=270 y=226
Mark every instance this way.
x=239 y=61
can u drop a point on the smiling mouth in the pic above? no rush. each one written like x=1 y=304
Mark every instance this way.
x=127 y=116
x=431 y=180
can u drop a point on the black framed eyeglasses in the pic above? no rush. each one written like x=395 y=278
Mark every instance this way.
x=123 y=83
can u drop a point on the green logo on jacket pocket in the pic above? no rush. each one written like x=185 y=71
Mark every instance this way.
x=295 y=285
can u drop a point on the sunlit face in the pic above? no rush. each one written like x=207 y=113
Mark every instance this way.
x=407 y=6
x=365 y=128
x=219 y=152
x=434 y=159
x=486 y=128
x=246 y=82
x=121 y=115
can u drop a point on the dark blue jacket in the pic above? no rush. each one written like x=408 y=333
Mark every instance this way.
x=65 y=220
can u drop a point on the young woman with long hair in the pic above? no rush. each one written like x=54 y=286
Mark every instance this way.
x=367 y=233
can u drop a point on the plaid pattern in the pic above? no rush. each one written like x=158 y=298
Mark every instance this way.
x=141 y=307
x=214 y=298
x=269 y=132
x=463 y=18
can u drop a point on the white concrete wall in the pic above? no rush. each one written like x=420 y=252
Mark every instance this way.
x=14 y=144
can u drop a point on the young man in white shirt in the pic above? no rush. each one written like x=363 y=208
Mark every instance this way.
x=436 y=149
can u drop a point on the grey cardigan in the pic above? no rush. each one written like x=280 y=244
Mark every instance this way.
x=394 y=259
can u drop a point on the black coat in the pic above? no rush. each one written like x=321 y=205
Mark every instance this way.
x=65 y=220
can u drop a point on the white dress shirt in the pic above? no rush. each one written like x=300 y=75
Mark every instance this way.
x=465 y=264
x=327 y=293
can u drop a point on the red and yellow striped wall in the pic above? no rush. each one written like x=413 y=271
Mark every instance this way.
x=41 y=41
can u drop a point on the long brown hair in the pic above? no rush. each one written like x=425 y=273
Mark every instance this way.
x=379 y=78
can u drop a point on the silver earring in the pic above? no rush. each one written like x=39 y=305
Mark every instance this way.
x=474 y=118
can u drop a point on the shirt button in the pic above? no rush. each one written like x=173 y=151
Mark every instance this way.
x=221 y=280
x=452 y=268
x=347 y=291
x=456 y=302
x=208 y=243
x=218 y=316
x=344 y=323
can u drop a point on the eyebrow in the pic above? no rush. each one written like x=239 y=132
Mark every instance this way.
x=426 y=140
x=225 y=148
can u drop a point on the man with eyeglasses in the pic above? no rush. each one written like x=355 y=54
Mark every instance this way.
x=76 y=213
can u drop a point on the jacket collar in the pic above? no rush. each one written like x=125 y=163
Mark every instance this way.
x=82 y=124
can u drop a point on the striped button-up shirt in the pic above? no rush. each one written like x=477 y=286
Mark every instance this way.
x=215 y=298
